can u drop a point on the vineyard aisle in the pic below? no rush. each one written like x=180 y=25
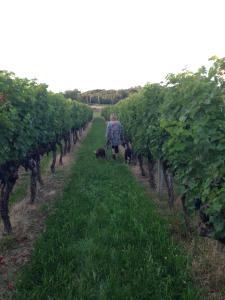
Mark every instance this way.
x=105 y=239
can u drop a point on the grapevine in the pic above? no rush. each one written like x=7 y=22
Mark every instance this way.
x=182 y=123
x=33 y=122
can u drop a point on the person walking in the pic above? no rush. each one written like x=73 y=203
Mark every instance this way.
x=114 y=134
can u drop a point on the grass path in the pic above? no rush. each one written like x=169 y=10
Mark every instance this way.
x=105 y=240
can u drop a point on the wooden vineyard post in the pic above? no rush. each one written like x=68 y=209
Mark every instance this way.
x=160 y=178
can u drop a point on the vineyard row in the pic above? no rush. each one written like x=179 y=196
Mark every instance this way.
x=33 y=122
x=182 y=124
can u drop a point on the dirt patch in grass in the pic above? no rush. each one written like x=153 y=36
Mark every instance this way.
x=207 y=255
x=28 y=221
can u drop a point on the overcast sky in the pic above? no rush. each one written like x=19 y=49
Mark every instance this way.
x=89 y=44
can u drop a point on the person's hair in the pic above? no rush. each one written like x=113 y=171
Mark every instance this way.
x=113 y=117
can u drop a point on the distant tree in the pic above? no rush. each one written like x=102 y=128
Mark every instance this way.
x=73 y=94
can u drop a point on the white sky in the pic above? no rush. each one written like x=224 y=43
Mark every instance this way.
x=89 y=44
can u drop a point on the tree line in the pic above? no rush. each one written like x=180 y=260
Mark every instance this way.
x=100 y=96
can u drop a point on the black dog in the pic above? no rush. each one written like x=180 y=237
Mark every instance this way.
x=127 y=154
x=100 y=153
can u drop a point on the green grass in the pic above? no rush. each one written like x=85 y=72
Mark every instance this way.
x=105 y=240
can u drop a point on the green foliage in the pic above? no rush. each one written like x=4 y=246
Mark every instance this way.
x=73 y=94
x=31 y=117
x=183 y=123
x=193 y=115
